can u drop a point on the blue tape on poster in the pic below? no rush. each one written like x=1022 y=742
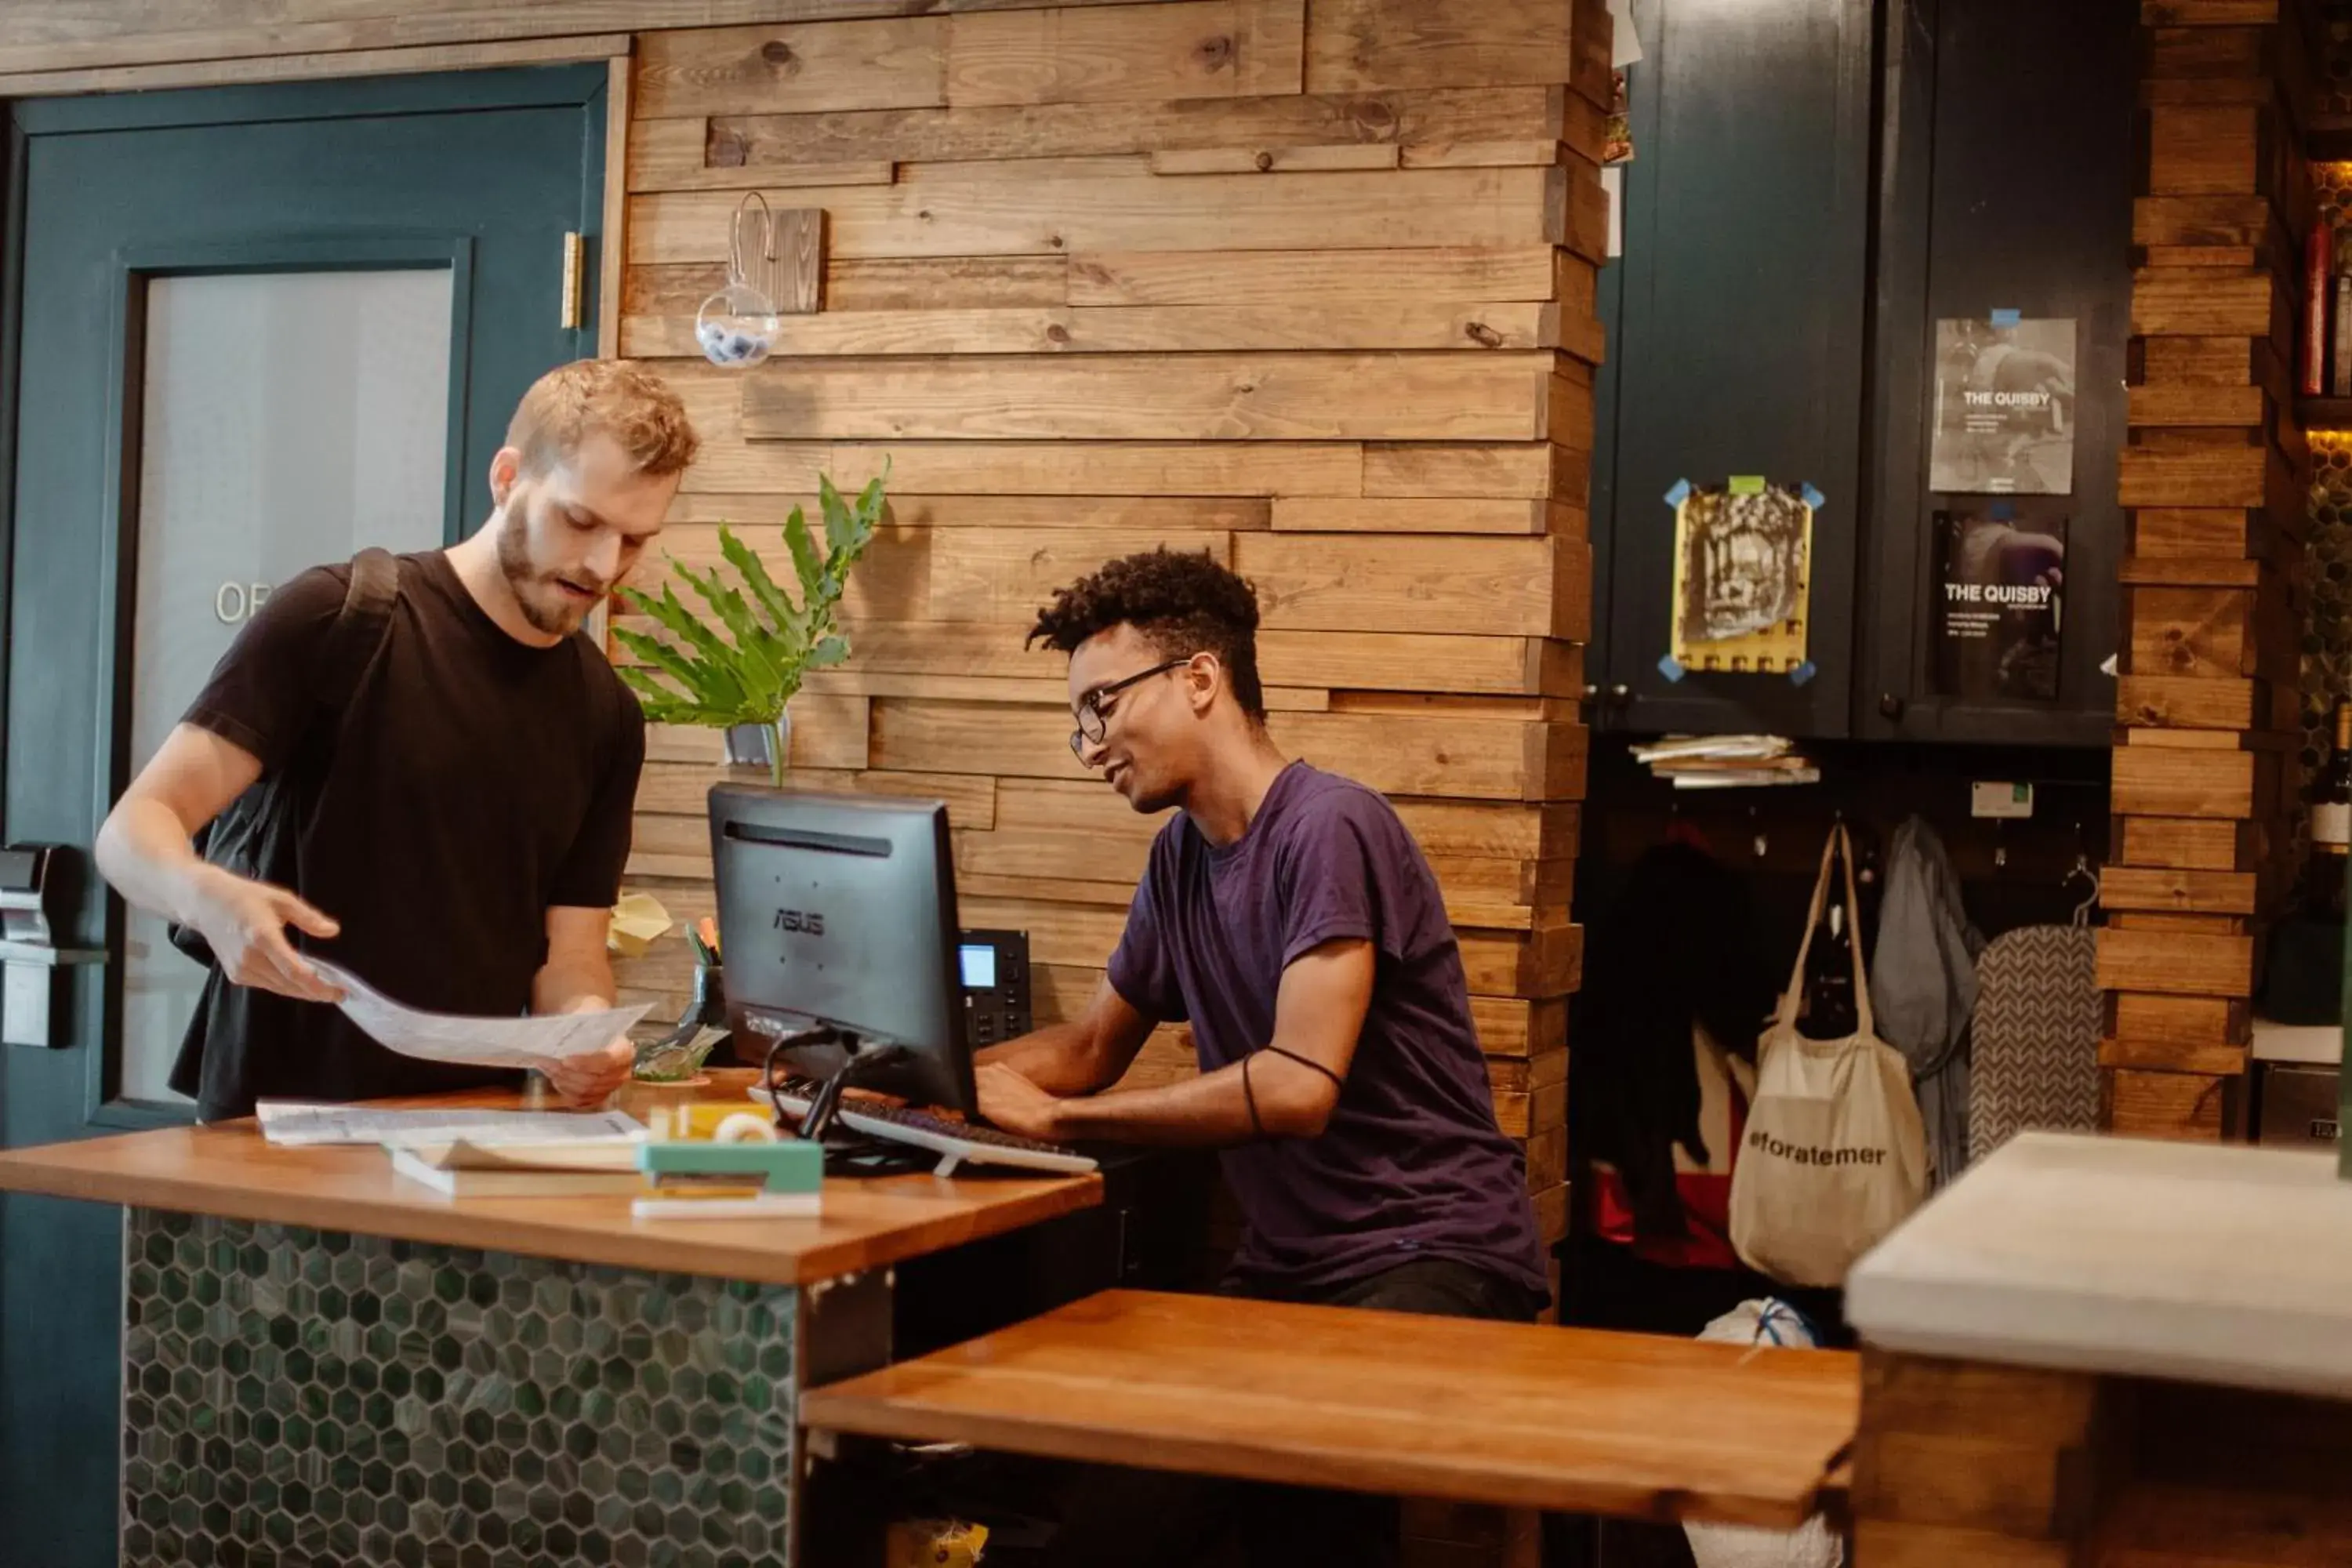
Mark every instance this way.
x=1680 y=493
x=2003 y=511
x=2007 y=318
x=1813 y=498
x=1671 y=667
x=1803 y=673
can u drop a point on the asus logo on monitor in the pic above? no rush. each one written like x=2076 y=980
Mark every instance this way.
x=810 y=921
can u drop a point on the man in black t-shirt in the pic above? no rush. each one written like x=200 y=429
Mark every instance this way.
x=464 y=820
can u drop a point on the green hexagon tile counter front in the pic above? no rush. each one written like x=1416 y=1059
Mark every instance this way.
x=355 y=1398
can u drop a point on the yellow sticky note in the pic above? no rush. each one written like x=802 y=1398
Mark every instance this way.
x=636 y=920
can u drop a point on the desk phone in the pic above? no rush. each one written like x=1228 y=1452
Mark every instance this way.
x=994 y=966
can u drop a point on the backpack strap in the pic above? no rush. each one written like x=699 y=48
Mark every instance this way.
x=252 y=831
x=360 y=628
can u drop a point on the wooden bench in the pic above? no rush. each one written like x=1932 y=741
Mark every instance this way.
x=1516 y=1415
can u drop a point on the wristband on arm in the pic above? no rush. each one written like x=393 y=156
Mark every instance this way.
x=1337 y=1080
x=1249 y=1095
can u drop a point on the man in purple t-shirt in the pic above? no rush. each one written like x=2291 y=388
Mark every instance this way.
x=1286 y=914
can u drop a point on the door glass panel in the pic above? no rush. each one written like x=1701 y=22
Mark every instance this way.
x=289 y=419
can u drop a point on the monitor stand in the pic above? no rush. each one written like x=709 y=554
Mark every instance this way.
x=848 y=1152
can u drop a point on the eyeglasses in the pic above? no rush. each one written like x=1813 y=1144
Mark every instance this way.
x=1094 y=719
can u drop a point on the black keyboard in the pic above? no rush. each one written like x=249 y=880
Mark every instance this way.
x=957 y=1142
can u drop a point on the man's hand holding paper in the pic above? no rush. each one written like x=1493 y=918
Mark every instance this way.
x=585 y=1052
x=590 y=1078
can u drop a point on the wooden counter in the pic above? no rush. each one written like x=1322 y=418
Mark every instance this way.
x=2127 y=1257
x=516 y=1379
x=1513 y=1415
x=228 y=1171
x=2098 y=1351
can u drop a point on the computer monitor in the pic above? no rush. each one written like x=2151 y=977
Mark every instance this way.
x=837 y=912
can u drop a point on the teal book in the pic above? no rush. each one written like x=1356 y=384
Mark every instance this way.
x=694 y=1179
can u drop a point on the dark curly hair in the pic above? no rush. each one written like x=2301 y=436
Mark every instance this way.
x=1183 y=604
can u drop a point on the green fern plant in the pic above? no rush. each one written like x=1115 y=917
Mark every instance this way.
x=742 y=665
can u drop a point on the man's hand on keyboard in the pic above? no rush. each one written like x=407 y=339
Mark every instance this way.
x=1016 y=1105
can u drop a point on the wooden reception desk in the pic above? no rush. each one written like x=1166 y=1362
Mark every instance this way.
x=339 y=1360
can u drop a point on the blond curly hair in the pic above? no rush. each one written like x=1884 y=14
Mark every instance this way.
x=619 y=397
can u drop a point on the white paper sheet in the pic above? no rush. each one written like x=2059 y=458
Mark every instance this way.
x=1624 y=40
x=294 y=1123
x=476 y=1042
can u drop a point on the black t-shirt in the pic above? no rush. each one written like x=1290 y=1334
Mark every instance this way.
x=473 y=783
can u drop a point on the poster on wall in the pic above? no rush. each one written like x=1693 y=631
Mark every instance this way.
x=2004 y=406
x=2000 y=608
x=1743 y=573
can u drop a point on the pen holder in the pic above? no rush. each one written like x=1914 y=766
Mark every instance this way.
x=678 y=1056
x=709 y=1003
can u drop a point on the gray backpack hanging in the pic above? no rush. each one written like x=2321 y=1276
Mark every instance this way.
x=1923 y=982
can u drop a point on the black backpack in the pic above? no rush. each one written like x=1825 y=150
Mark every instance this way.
x=257 y=834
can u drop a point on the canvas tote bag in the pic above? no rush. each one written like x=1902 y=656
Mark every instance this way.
x=1833 y=1155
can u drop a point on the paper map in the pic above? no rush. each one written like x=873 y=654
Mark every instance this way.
x=476 y=1042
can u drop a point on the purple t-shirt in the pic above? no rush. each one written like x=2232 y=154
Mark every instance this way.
x=1412 y=1163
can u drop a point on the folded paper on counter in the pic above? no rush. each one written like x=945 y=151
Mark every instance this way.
x=297 y=1123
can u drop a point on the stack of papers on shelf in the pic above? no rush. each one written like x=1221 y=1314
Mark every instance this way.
x=1727 y=762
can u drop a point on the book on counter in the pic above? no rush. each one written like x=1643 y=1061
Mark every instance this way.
x=681 y=1180
x=753 y=1173
x=537 y=1169
x=755 y=1179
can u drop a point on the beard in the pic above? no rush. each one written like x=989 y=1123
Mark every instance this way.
x=543 y=603
x=1151 y=796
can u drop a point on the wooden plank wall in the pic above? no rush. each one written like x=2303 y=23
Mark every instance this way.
x=1308 y=286
x=113 y=45
x=2214 y=483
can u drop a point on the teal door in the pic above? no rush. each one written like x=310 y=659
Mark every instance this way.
x=252 y=330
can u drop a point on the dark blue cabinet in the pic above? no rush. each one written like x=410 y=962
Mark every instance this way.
x=1814 y=183
x=1738 y=343
x=2008 y=142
